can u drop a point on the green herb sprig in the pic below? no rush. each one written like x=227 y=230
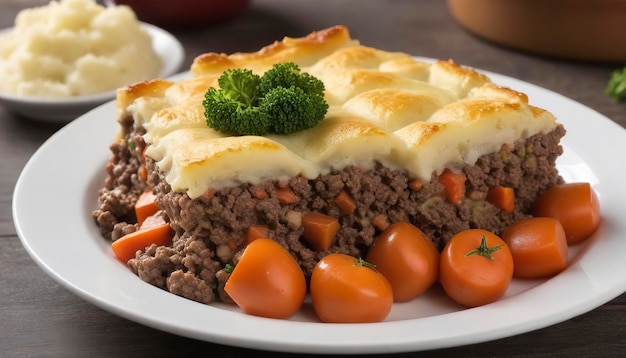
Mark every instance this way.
x=284 y=100
x=617 y=85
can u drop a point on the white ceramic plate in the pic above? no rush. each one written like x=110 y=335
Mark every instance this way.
x=63 y=110
x=57 y=191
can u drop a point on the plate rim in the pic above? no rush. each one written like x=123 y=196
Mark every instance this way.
x=372 y=344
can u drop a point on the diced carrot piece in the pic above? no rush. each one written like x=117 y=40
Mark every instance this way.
x=502 y=197
x=126 y=246
x=286 y=196
x=345 y=202
x=255 y=232
x=415 y=184
x=142 y=172
x=319 y=230
x=454 y=184
x=232 y=245
x=208 y=194
x=380 y=222
x=259 y=193
x=145 y=206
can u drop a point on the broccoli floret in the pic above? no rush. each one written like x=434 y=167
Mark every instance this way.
x=292 y=110
x=232 y=117
x=617 y=85
x=288 y=74
x=284 y=100
x=240 y=85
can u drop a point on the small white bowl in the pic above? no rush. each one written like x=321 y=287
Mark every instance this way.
x=169 y=49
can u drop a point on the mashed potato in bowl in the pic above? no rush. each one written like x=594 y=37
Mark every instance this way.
x=71 y=48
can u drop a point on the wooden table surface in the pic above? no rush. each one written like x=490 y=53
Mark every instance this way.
x=38 y=317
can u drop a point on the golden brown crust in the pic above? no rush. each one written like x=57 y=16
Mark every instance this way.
x=385 y=107
x=126 y=95
x=304 y=51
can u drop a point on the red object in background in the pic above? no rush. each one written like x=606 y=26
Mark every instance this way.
x=183 y=13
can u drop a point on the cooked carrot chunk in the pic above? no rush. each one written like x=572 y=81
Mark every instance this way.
x=208 y=194
x=126 y=246
x=145 y=206
x=286 y=196
x=256 y=232
x=454 y=184
x=259 y=193
x=502 y=197
x=381 y=222
x=319 y=230
x=345 y=202
x=142 y=172
x=232 y=245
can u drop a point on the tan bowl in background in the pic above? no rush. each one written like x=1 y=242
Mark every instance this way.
x=586 y=30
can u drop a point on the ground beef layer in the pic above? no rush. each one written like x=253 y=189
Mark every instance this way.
x=211 y=230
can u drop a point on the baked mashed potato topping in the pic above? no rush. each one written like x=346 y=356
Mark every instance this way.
x=384 y=107
x=75 y=47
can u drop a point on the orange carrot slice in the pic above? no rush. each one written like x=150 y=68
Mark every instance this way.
x=286 y=196
x=502 y=197
x=127 y=246
x=345 y=203
x=319 y=230
x=454 y=184
x=259 y=193
x=381 y=222
x=143 y=172
x=145 y=206
x=256 y=232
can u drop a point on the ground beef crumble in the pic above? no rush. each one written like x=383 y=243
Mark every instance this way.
x=210 y=230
